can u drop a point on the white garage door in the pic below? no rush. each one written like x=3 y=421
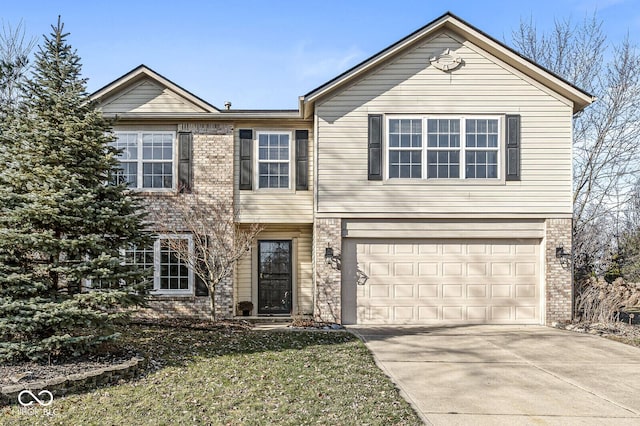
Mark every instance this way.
x=449 y=281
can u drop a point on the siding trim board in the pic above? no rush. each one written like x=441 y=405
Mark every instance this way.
x=393 y=228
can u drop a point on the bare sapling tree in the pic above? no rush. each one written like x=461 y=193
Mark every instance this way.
x=606 y=135
x=218 y=242
x=15 y=49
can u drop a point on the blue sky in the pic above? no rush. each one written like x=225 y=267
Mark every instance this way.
x=264 y=54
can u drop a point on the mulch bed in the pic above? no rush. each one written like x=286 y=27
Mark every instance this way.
x=29 y=372
x=627 y=333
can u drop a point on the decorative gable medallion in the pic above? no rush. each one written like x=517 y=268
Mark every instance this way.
x=446 y=61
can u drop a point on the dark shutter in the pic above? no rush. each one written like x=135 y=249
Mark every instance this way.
x=513 y=147
x=302 y=160
x=375 y=147
x=246 y=158
x=185 y=162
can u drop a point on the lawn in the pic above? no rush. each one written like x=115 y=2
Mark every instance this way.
x=234 y=376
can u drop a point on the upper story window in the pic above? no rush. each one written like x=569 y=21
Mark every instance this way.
x=405 y=148
x=147 y=159
x=274 y=159
x=455 y=148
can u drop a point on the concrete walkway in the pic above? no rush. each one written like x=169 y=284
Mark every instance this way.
x=509 y=375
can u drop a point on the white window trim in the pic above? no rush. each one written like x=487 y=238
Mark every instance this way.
x=424 y=117
x=140 y=160
x=156 y=267
x=256 y=155
x=156 y=290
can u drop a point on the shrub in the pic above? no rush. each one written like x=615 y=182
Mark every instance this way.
x=600 y=301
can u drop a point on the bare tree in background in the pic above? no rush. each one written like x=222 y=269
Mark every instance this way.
x=606 y=136
x=218 y=242
x=15 y=49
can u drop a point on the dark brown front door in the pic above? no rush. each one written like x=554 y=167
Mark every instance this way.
x=274 y=277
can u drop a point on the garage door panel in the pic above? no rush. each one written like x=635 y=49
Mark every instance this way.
x=427 y=249
x=462 y=281
x=429 y=269
x=525 y=291
x=403 y=313
x=525 y=312
x=501 y=291
x=452 y=290
x=477 y=313
x=404 y=249
x=477 y=269
x=405 y=291
x=501 y=313
x=403 y=269
x=452 y=313
x=477 y=290
x=426 y=291
x=379 y=269
x=450 y=269
x=379 y=291
x=501 y=269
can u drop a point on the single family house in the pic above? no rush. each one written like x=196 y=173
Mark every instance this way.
x=431 y=183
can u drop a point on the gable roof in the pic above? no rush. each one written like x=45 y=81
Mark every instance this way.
x=141 y=74
x=579 y=97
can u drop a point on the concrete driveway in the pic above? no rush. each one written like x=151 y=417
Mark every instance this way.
x=509 y=375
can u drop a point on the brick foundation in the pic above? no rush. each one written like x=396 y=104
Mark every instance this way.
x=559 y=288
x=161 y=307
x=327 y=233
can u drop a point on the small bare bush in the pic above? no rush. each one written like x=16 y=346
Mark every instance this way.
x=600 y=301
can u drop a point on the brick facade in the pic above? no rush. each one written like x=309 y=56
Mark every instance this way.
x=213 y=145
x=327 y=233
x=558 y=278
x=175 y=307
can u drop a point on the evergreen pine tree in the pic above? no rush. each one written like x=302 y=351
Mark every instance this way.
x=61 y=224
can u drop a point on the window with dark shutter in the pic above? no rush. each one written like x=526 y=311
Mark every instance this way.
x=513 y=147
x=185 y=162
x=375 y=147
x=302 y=160
x=246 y=159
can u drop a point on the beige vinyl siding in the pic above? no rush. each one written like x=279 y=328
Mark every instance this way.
x=275 y=205
x=149 y=97
x=247 y=281
x=242 y=289
x=409 y=85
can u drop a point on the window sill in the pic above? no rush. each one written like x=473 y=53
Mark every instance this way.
x=457 y=182
x=155 y=192
x=170 y=293
x=272 y=191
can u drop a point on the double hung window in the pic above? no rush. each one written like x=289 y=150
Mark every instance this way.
x=274 y=159
x=146 y=159
x=443 y=147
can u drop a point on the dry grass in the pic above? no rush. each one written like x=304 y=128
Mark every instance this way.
x=236 y=376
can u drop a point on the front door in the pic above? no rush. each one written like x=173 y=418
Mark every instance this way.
x=274 y=277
